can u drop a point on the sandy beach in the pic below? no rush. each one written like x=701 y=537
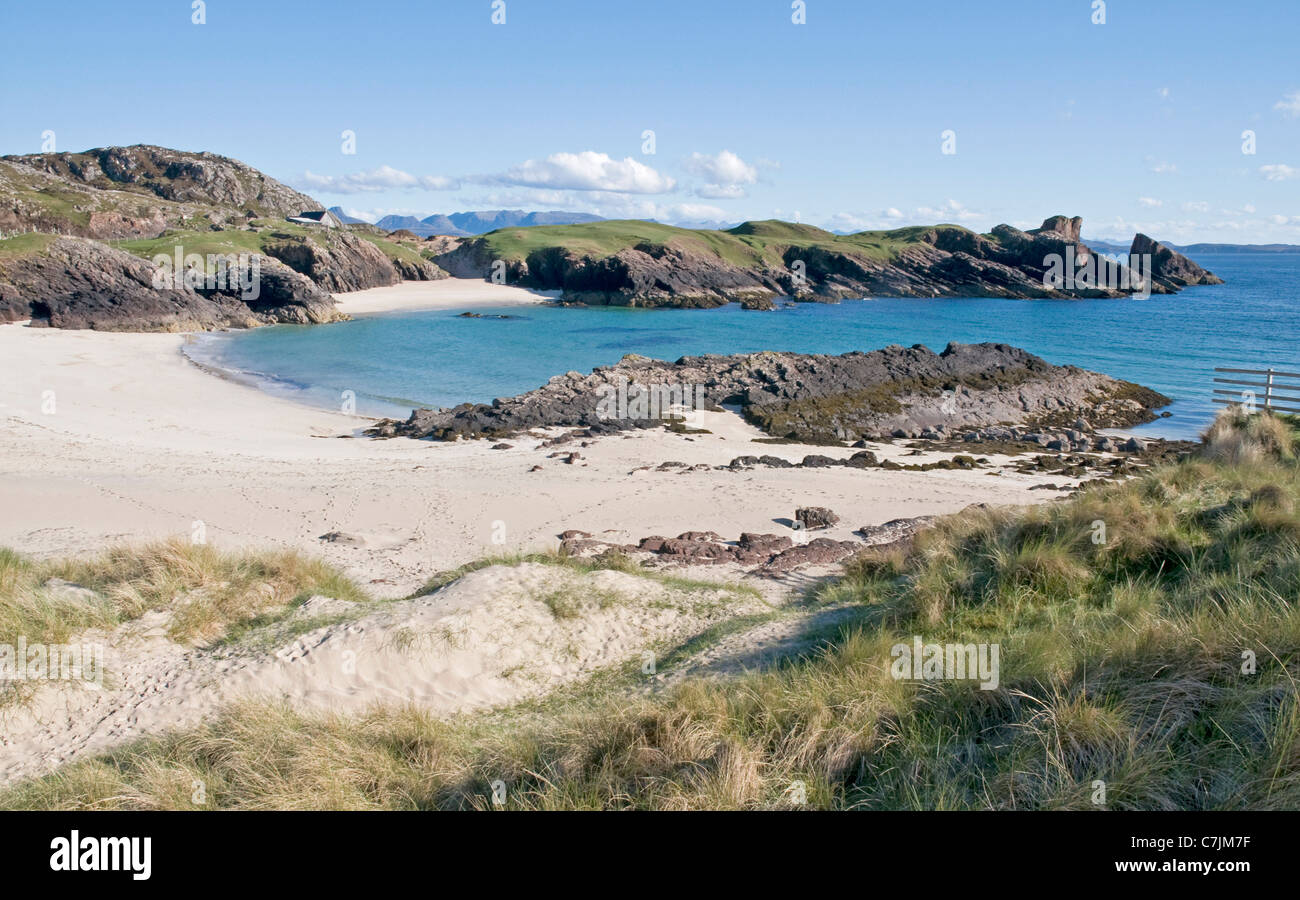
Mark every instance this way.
x=108 y=438
x=449 y=293
x=112 y=437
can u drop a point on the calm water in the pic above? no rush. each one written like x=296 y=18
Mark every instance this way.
x=1170 y=343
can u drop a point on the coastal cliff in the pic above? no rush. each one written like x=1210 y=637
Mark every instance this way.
x=635 y=263
x=61 y=215
x=814 y=398
x=71 y=217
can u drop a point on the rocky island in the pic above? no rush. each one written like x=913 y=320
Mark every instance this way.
x=815 y=398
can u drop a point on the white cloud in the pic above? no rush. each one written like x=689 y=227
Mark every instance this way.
x=586 y=171
x=1278 y=172
x=948 y=211
x=691 y=212
x=1149 y=202
x=1164 y=93
x=893 y=217
x=1196 y=206
x=1164 y=168
x=1289 y=105
x=607 y=204
x=384 y=178
x=724 y=174
x=720 y=191
x=847 y=222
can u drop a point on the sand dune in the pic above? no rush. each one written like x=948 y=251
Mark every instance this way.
x=493 y=637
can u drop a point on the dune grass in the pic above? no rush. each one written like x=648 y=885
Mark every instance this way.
x=1150 y=643
x=207 y=591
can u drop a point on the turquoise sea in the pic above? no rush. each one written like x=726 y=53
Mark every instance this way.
x=393 y=363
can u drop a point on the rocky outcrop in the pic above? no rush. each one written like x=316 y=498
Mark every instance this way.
x=172 y=175
x=813 y=398
x=79 y=283
x=417 y=270
x=339 y=262
x=758 y=261
x=186 y=199
x=1171 y=270
x=765 y=555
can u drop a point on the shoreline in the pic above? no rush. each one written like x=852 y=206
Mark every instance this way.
x=142 y=443
x=445 y=293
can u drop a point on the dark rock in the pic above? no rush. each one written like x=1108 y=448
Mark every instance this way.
x=813 y=518
x=817 y=461
x=79 y=283
x=699 y=536
x=817 y=552
x=1170 y=270
x=863 y=459
x=818 y=398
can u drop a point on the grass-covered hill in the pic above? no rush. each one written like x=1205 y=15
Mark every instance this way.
x=114 y=192
x=638 y=263
x=75 y=221
x=146 y=200
x=1149 y=641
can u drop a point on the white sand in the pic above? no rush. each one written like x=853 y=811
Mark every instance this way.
x=140 y=443
x=117 y=437
x=486 y=640
x=448 y=293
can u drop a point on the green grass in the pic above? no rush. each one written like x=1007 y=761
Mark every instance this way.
x=1159 y=661
x=25 y=244
x=749 y=244
x=270 y=232
x=394 y=250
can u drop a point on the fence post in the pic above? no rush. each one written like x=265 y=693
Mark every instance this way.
x=1268 y=391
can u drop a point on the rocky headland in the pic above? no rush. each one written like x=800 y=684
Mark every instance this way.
x=66 y=218
x=632 y=263
x=84 y=230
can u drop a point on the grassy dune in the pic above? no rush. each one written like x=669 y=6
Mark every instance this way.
x=1150 y=643
x=207 y=591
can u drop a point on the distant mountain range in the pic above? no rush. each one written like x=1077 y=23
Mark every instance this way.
x=464 y=224
x=1193 y=249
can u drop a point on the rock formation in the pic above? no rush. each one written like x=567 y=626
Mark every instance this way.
x=1169 y=269
x=80 y=283
x=150 y=201
x=608 y=264
x=815 y=398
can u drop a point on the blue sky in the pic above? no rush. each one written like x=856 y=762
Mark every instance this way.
x=1135 y=124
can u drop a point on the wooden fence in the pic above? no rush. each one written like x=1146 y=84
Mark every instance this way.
x=1278 y=391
